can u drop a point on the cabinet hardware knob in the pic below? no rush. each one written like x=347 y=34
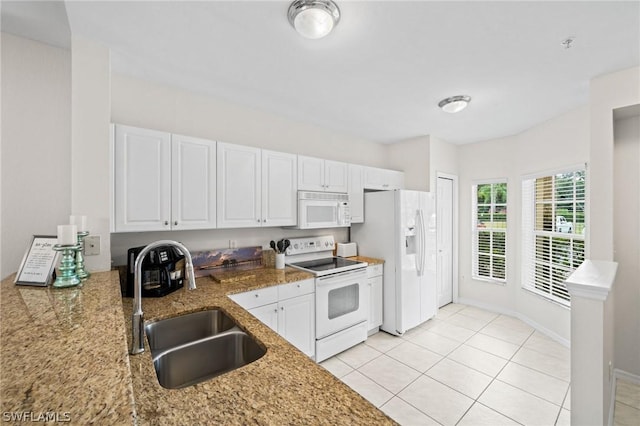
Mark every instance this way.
x=257 y=295
x=264 y=220
x=275 y=310
x=258 y=220
x=166 y=222
x=298 y=285
x=282 y=308
x=175 y=223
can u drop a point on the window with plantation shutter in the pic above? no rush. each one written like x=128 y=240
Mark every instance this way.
x=490 y=230
x=553 y=229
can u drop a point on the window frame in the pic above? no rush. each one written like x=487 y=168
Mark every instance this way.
x=475 y=233
x=538 y=252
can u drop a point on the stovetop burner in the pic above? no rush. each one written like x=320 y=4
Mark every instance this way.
x=328 y=265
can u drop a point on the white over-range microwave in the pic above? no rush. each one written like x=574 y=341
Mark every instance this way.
x=323 y=210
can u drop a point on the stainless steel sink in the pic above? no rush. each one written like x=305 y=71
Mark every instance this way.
x=172 y=332
x=202 y=360
x=195 y=347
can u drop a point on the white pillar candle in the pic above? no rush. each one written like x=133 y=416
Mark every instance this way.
x=67 y=235
x=79 y=221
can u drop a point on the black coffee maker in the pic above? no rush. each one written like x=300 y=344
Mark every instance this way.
x=162 y=271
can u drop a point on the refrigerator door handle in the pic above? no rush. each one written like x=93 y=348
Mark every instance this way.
x=423 y=241
x=420 y=235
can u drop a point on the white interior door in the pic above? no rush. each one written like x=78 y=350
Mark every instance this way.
x=444 y=271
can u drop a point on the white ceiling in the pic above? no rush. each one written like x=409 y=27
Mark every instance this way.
x=381 y=73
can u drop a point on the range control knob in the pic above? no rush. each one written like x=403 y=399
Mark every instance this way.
x=295 y=246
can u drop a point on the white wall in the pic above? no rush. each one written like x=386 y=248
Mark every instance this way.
x=143 y=103
x=607 y=93
x=411 y=156
x=36 y=144
x=152 y=105
x=90 y=165
x=557 y=143
x=421 y=158
x=443 y=158
x=626 y=227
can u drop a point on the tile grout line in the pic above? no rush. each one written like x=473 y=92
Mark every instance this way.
x=442 y=357
x=477 y=400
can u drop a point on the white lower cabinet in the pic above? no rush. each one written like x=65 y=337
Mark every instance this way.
x=297 y=322
x=267 y=314
x=374 y=286
x=288 y=309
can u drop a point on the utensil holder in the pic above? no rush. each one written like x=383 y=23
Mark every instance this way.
x=279 y=260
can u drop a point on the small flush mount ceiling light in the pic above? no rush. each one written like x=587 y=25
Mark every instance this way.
x=454 y=103
x=313 y=18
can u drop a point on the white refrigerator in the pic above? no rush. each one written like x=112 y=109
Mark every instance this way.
x=400 y=227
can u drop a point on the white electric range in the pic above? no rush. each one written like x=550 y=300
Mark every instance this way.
x=341 y=302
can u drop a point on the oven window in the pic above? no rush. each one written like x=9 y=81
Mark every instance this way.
x=343 y=300
x=320 y=214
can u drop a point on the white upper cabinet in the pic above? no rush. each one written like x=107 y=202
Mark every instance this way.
x=316 y=174
x=238 y=183
x=255 y=187
x=279 y=189
x=310 y=173
x=142 y=172
x=193 y=183
x=383 y=179
x=336 y=176
x=163 y=181
x=356 y=193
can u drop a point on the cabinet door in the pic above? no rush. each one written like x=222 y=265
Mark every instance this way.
x=279 y=189
x=336 y=176
x=373 y=178
x=296 y=322
x=395 y=179
x=238 y=186
x=375 y=302
x=267 y=314
x=356 y=193
x=142 y=161
x=310 y=173
x=193 y=195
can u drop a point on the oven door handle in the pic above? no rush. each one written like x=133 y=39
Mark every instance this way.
x=342 y=275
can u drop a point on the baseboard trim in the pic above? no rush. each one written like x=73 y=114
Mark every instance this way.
x=618 y=374
x=497 y=309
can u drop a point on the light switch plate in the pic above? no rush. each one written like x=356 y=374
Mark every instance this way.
x=92 y=245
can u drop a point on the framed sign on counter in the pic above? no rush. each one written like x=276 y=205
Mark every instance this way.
x=39 y=262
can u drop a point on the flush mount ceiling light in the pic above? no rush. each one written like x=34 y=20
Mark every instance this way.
x=454 y=103
x=313 y=18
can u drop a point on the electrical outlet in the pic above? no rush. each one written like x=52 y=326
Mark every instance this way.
x=233 y=244
x=92 y=245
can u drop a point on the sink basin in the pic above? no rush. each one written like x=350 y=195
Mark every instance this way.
x=172 y=332
x=195 y=347
x=202 y=360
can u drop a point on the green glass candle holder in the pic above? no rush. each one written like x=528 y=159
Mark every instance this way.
x=67 y=276
x=82 y=273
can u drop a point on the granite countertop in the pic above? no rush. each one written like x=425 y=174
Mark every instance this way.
x=282 y=387
x=369 y=260
x=64 y=353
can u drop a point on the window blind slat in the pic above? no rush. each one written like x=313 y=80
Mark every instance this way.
x=552 y=232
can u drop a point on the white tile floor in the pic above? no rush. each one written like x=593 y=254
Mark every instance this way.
x=465 y=367
x=627 y=409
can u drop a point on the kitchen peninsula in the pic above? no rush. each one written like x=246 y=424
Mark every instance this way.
x=65 y=351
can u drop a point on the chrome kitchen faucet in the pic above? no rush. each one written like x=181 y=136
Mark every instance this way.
x=137 y=321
